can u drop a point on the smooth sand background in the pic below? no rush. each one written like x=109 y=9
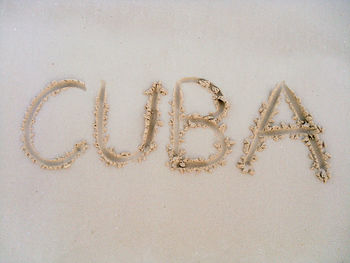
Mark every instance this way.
x=145 y=212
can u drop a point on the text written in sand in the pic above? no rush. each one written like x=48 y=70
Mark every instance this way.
x=264 y=127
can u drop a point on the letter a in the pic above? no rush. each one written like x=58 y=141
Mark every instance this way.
x=152 y=114
x=177 y=158
x=304 y=129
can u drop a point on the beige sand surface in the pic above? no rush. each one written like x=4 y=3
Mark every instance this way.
x=145 y=212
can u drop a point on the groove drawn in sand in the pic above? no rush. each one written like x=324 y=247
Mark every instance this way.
x=177 y=158
x=66 y=159
x=152 y=115
x=304 y=129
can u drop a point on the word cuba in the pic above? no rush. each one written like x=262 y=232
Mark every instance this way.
x=303 y=128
